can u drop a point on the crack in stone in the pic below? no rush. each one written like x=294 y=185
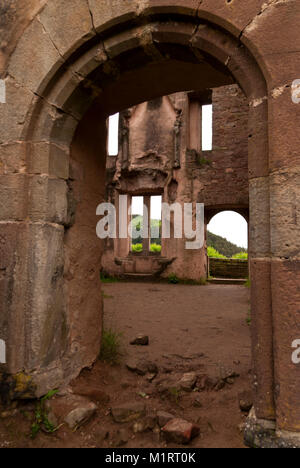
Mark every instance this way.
x=50 y=104
x=264 y=8
x=92 y=17
x=76 y=75
x=198 y=8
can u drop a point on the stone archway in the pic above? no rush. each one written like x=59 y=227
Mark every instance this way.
x=108 y=57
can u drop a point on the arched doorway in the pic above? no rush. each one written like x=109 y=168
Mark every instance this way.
x=132 y=58
x=227 y=246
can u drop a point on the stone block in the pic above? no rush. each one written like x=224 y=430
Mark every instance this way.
x=108 y=13
x=35 y=47
x=13 y=111
x=285 y=214
x=13 y=197
x=259 y=232
x=68 y=26
x=48 y=199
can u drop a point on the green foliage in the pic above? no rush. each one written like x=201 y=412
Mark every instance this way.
x=41 y=417
x=105 y=278
x=155 y=248
x=175 y=394
x=202 y=161
x=110 y=347
x=137 y=223
x=248 y=283
x=137 y=248
x=241 y=256
x=213 y=253
x=223 y=245
x=172 y=279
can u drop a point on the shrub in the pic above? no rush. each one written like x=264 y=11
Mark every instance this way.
x=241 y=256
x=172 y=279
x=110 y=347
x=41 y=421
x=155 y=248
x=213 y=253
x=136 y=248
x=105 y=278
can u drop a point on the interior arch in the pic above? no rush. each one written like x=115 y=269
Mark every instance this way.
x=119 y=68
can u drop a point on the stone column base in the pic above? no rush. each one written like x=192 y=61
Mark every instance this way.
x=261 y=433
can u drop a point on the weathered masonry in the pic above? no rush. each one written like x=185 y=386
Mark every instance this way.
x=64 y=71
x=162 y=152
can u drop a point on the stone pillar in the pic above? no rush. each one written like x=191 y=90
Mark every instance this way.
x=146 y=224
x=260 y=264
x=284 y=114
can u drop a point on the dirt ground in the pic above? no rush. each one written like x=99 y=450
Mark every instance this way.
x=190 y=328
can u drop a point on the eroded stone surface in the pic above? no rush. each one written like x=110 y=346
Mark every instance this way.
x=49 y=299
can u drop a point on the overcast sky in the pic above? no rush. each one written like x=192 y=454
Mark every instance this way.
x=232 y=226
x=227 y=224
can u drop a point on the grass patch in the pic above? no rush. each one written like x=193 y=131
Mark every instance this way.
x=175 y=394
x=105 y=278
x=110 y=347
x=248 y=283
x=41 y=421
x=173 y=279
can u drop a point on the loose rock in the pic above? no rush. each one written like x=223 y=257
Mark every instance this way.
x=80 y=416
x=140 y=340
x=245 y=401
x=188 y=381
x=197 y=403
x=164 y=417
x=180 y=431
x=142 y=367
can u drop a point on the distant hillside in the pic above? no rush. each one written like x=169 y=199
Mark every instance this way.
x=222 y=245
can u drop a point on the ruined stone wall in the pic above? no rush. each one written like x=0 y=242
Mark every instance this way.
x=221 y=178
x=228 y=268
x=15 y=16
x=125 y=53
x=157 y=156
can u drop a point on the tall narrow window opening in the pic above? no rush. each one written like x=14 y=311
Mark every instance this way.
x=113 y=135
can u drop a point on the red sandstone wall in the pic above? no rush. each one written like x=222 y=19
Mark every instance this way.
x=152 y=137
